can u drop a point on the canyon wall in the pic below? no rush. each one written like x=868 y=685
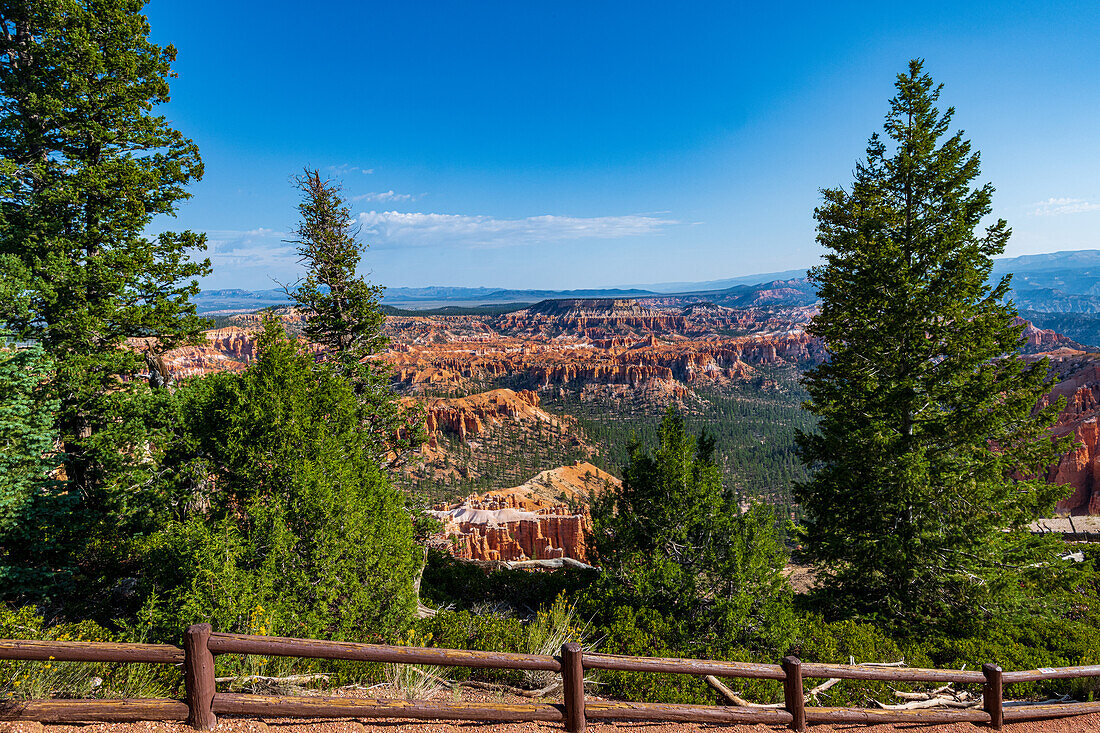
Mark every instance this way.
x=1080 y=468
x=653 y=351
x=526 y=522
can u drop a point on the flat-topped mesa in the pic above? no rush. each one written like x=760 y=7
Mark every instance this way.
x=595 y=317
x=592 y=308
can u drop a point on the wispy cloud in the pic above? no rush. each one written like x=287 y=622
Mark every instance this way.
x=421 y=229
x=385 y=196
x=261 y=248
x=1060 y=206
x=343 y=168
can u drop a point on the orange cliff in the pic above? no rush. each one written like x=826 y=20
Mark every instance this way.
x=1080 y=468
x=468 y=416
x=526 y=522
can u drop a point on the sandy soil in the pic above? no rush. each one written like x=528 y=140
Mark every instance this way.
x=1064 y=725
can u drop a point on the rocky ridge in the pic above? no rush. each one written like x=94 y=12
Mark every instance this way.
x=619 y=349
x=543 y=519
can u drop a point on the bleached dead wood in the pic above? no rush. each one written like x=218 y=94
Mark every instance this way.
x=924 y=695
x=941 y=697
x=739 y=701
x=812 y=694
x=733 y=697
x=936 y=702
x=542 y=692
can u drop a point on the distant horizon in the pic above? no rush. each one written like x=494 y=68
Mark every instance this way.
x=655 y=287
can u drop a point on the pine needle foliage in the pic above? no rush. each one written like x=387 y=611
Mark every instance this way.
x=281 y=507
x=930 y=456
x=343 y=313
x=671 y=538
x=85 y=166
x=32 y=502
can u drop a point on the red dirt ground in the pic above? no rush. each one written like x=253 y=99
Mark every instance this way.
x=236 y=725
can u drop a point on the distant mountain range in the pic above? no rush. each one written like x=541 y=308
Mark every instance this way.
x=1060 y=290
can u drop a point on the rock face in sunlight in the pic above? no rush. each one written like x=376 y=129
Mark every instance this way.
x=651 y=351
x=1079 y=469
x=1044 y=340
x=543 y=519
x=466 y=417
x=608 y=347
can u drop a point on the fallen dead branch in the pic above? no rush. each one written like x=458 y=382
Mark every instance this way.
x=733 y=697
x=923 y=695
x=937 y=702
x=495 y=687
x=739 y=701
x=941 y=697
x=812 y=694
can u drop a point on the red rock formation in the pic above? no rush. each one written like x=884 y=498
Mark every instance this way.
x=467 y=416
x=526 y=522
x=1046 y=340
x=1080 y=468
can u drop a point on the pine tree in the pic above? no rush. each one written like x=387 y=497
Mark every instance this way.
x=299 y=519
x=85 y=166
x=343 y=312
x=32 y=502
x=669 y=539
x=929 y=456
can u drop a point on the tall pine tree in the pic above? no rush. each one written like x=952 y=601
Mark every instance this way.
x=929 y=456
x=343 y=312
x=85 y=166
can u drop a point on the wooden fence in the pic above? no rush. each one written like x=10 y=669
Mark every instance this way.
x=204 y=703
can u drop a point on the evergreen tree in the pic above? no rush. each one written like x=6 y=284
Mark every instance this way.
x=32 y=503
x=343 y=311
x=670 y=539
x=85 y=166
x=929 y=459
x=282 y=506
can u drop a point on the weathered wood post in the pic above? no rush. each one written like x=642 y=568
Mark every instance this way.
x=572 y=677
x=993 y=695
x=792 y=693
x=198 y=676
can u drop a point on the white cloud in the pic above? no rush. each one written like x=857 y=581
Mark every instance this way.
x=254 y=248
x=386 y=196
x=1059 y=206
x=420 y=229
x=348 y=168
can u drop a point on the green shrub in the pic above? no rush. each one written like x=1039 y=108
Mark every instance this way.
x=39 y=680
x=287 y=524
x=451 y=583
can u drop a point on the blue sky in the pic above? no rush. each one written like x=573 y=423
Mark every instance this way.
x=583 y=144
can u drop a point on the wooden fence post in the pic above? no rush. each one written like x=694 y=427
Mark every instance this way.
x=993 y=695
x=198 y=676
x=572 y=677
x=792 y=693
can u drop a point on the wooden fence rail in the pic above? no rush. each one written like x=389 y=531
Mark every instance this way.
x=204 y=703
